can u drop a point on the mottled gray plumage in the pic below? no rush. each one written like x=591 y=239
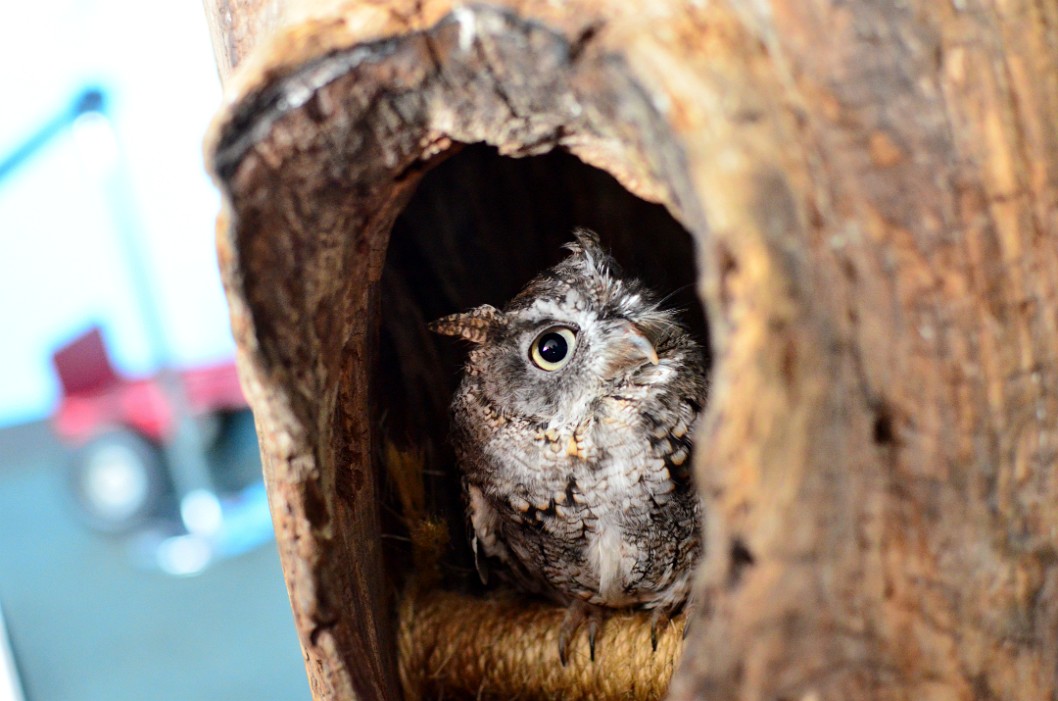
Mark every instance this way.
x=578 y=478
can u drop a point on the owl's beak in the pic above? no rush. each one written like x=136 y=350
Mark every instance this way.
x=638 y=340
x=629 y=349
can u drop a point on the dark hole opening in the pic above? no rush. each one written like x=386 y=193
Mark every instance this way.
x=883 y=432
x=477 y=229
x=741 y=558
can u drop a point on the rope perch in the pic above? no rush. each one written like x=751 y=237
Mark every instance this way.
x=506 y=647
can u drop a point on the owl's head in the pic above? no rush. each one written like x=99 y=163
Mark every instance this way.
x=577 y=330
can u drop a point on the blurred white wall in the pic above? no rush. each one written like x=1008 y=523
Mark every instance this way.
x=62 y=264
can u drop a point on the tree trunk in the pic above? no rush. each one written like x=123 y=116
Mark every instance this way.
x=870 y=188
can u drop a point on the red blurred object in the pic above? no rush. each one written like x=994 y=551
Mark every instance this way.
x=96 y=399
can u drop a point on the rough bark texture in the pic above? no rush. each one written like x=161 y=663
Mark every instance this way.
x=872 y=190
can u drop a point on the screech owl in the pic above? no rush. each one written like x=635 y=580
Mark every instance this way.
x=573 y=429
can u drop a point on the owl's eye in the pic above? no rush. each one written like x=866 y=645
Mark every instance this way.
x=552 y=349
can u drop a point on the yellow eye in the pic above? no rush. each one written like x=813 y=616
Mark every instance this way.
x=552 y=349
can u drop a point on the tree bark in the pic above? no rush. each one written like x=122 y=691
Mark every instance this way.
x=871 y=189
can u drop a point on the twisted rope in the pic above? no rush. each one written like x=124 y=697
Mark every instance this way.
x=504 y=647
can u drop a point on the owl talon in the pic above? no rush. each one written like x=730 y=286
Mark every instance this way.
x=479 y=561
x=577 y=614
x=657 y=619
x=483 y=570
x=688 y=615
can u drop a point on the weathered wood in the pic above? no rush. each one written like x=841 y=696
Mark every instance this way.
x=871 y=187
x=902 y=522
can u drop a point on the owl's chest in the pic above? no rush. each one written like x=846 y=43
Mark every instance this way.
x=591 y=460
x=576 y=482
x=587 y=522
x=585 y=504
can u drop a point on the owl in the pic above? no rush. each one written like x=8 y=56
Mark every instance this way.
x=573 y=427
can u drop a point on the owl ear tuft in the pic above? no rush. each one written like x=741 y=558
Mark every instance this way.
x=586 y=242
x=475 y=325
x=587 y=251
